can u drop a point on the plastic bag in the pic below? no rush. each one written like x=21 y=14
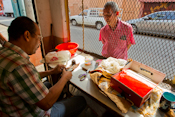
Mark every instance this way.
x=112 y=65
x=55 y=58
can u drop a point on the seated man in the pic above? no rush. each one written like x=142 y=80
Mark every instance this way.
x=22 y=93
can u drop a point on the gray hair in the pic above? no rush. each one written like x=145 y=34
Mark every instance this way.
x=112 y=5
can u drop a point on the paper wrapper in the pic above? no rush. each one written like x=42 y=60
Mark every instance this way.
x=150 y=107
x=121 y=103
x=102 y=79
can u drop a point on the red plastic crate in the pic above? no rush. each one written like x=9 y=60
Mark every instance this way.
x=140 y=75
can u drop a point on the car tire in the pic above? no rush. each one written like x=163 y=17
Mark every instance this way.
x=74 y=22
x=134 y=27
x=99 y=25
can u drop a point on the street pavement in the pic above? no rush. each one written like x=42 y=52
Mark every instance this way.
x=5 y=20
x=3 y=31
x=4 y=23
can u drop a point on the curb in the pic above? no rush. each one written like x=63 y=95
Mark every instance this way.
x=4 y=24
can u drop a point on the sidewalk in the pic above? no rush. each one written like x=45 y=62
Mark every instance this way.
x=5 y=20
x=3 y=31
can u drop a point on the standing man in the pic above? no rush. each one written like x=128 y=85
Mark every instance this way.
x=22 y=93
x=117 y=35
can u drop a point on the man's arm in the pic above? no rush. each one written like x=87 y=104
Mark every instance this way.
x=131 y=37
x=55 y=91
x=128 y=46
x=56 y=70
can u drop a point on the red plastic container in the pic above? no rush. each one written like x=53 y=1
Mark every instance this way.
x=70 y=46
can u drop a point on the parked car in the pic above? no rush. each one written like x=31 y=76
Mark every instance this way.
x=160 y=23
x=92 y=17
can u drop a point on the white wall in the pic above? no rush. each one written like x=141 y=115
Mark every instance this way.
x=44 y=16
x=29 y=9
x=52 y=11
x=58 y=18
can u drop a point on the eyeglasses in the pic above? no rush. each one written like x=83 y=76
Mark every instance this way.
x=40 y=37
x=107 y=16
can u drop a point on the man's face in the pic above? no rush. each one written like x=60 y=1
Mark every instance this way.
x=35 y=41
x=109 y=16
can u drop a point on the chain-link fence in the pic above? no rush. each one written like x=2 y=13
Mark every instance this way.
x=152 y=21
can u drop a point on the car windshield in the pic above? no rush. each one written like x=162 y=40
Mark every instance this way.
x=161 y=16
x=85 y=12
x=170 y=15
x=152 y=16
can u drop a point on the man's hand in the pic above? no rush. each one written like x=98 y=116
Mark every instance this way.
x=66 y=74
x=55 y=91
x=58 y=69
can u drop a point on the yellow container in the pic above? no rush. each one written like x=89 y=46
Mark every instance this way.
x=88 y=60
x=173 y=80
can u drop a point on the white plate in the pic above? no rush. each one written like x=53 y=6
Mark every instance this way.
x=91 y=67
